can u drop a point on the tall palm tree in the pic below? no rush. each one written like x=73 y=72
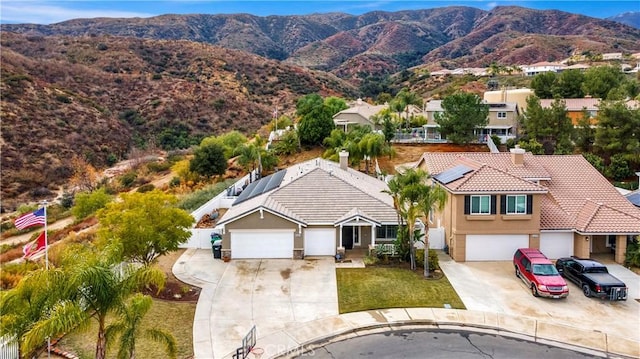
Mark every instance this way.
x=434 y=197
x=408 y=98
x=92 y=284
x=128 y=327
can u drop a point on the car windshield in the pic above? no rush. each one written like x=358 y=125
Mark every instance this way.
x=544 y=269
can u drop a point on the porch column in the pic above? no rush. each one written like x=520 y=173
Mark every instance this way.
x=373 y=235
x=341 y=236
x=621 y=248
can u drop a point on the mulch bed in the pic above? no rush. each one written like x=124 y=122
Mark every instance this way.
x=175 y=291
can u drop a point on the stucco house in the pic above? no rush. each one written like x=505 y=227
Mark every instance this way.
x=541 y=67
x=360 y=113
x=315 y=208
x=576 y=107
x=499 y=202
x=503 y=121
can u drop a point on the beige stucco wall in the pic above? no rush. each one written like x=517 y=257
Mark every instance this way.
x=599 y=245
x=581 y=245
x=258 y=221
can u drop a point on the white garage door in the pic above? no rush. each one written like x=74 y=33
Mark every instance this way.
x=320 y=242
x=494 y=247
x=556 y=245
x=261 y=244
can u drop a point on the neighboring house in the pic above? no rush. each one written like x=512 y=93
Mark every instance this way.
x=580 y=67
x=315 y=208
x=503 y=121
x=634 y=197
x=499 y=202
x=518 y=96
x=576 y=107
x=360 y=113
x=541 y=67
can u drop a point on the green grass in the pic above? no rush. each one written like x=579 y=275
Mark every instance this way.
x=376 y=288
x=174 y=317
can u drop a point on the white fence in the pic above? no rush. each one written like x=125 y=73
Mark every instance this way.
x=8 y=348
x=201 y=237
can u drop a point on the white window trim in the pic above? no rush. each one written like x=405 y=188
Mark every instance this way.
x=516 y=204
x=502 y=115
x=479 y=198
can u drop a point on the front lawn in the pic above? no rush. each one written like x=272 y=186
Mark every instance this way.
x=376 y=288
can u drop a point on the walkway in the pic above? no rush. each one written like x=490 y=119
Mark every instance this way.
x=197 y=267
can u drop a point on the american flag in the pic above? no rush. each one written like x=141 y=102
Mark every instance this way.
x=31 y=219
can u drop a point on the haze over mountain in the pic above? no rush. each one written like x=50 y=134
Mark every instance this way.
x=631 y=18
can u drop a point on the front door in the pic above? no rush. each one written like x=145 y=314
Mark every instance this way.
x=347 y=237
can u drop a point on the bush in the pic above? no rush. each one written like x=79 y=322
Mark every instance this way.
x=159 y=166
x=146 y=188
x=619 y=168
x=128 y=179
x=87 y=203
x=370 y=260
x=632 y=257
x=196 y=199
x=175 y=182
x=433 y=259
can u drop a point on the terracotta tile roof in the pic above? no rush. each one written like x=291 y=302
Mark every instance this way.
x=575 y=104
x=489 y=179
x=320 y=192
x=589 y=202
x=578 y=197
x=532 y=169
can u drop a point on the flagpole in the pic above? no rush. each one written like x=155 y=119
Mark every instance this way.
x=46 y=261
x=46 y=239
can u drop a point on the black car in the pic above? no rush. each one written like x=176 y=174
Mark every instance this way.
x=593 y=278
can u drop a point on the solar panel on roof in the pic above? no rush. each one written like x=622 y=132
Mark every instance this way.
x=260 y=186
x=452 y=174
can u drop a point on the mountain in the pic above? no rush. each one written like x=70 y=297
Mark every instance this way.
x=378 y=42
x=631 y=18
x=99 y=96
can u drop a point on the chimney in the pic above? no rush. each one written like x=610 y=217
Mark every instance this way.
x=517 y=156
x=344 y=160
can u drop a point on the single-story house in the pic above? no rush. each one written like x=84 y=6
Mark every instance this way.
x=314 y=208
x=499 y=202
x=360 y=113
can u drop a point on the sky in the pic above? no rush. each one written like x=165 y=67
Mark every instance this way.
x=48 y=12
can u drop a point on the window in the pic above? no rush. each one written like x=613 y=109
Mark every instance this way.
x=387 y=232
x=502 y=115
x=517 y=204
x=480 y=204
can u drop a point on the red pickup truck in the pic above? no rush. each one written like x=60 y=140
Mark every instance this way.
x=539 y=274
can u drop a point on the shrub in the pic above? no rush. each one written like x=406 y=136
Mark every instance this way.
x=159 y=166
x=433 y=259
x=146 y=188
x=175 y=182
x=198 y=198
x=128 y=179
x=370 y=260
x=632 y=257
x=87 y=203
x=619 y=168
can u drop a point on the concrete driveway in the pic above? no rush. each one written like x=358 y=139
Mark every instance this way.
x=271 y=294
x=493 y=287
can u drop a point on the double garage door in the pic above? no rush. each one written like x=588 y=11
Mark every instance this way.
x=262 y=244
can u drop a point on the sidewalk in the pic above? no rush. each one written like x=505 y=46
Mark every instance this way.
x=196 y=267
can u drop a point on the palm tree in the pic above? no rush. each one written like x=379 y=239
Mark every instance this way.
x=408 y=98
x=91 y=284
x=129 y=327
x=434 y=197
x=371 y=146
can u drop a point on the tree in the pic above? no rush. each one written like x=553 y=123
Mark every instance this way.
x=287 y=145
x=248 y=156
x=90 y=283
x=618 y=131
x=147 y=225
x=335 y=105
x=406 y=98
x=316 y=120
x=463 y=113
x=208 y=159
x=371 y=146
x=551 y=127
x=599 y=80
x=388 y=128
x=569 y=84
x=543 y=84
x=128 y=327
x=433 y=198
x=87 y=203
x=229 y=141
x=84 y=176
x=584 y=133
x=414 y=198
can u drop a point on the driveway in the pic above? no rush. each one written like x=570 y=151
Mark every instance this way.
x=493 y=287
x=272 y=294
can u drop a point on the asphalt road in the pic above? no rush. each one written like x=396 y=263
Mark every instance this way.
x=434 y=344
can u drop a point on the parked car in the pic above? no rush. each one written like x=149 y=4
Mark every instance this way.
x=539 y=274
x=593 y=277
